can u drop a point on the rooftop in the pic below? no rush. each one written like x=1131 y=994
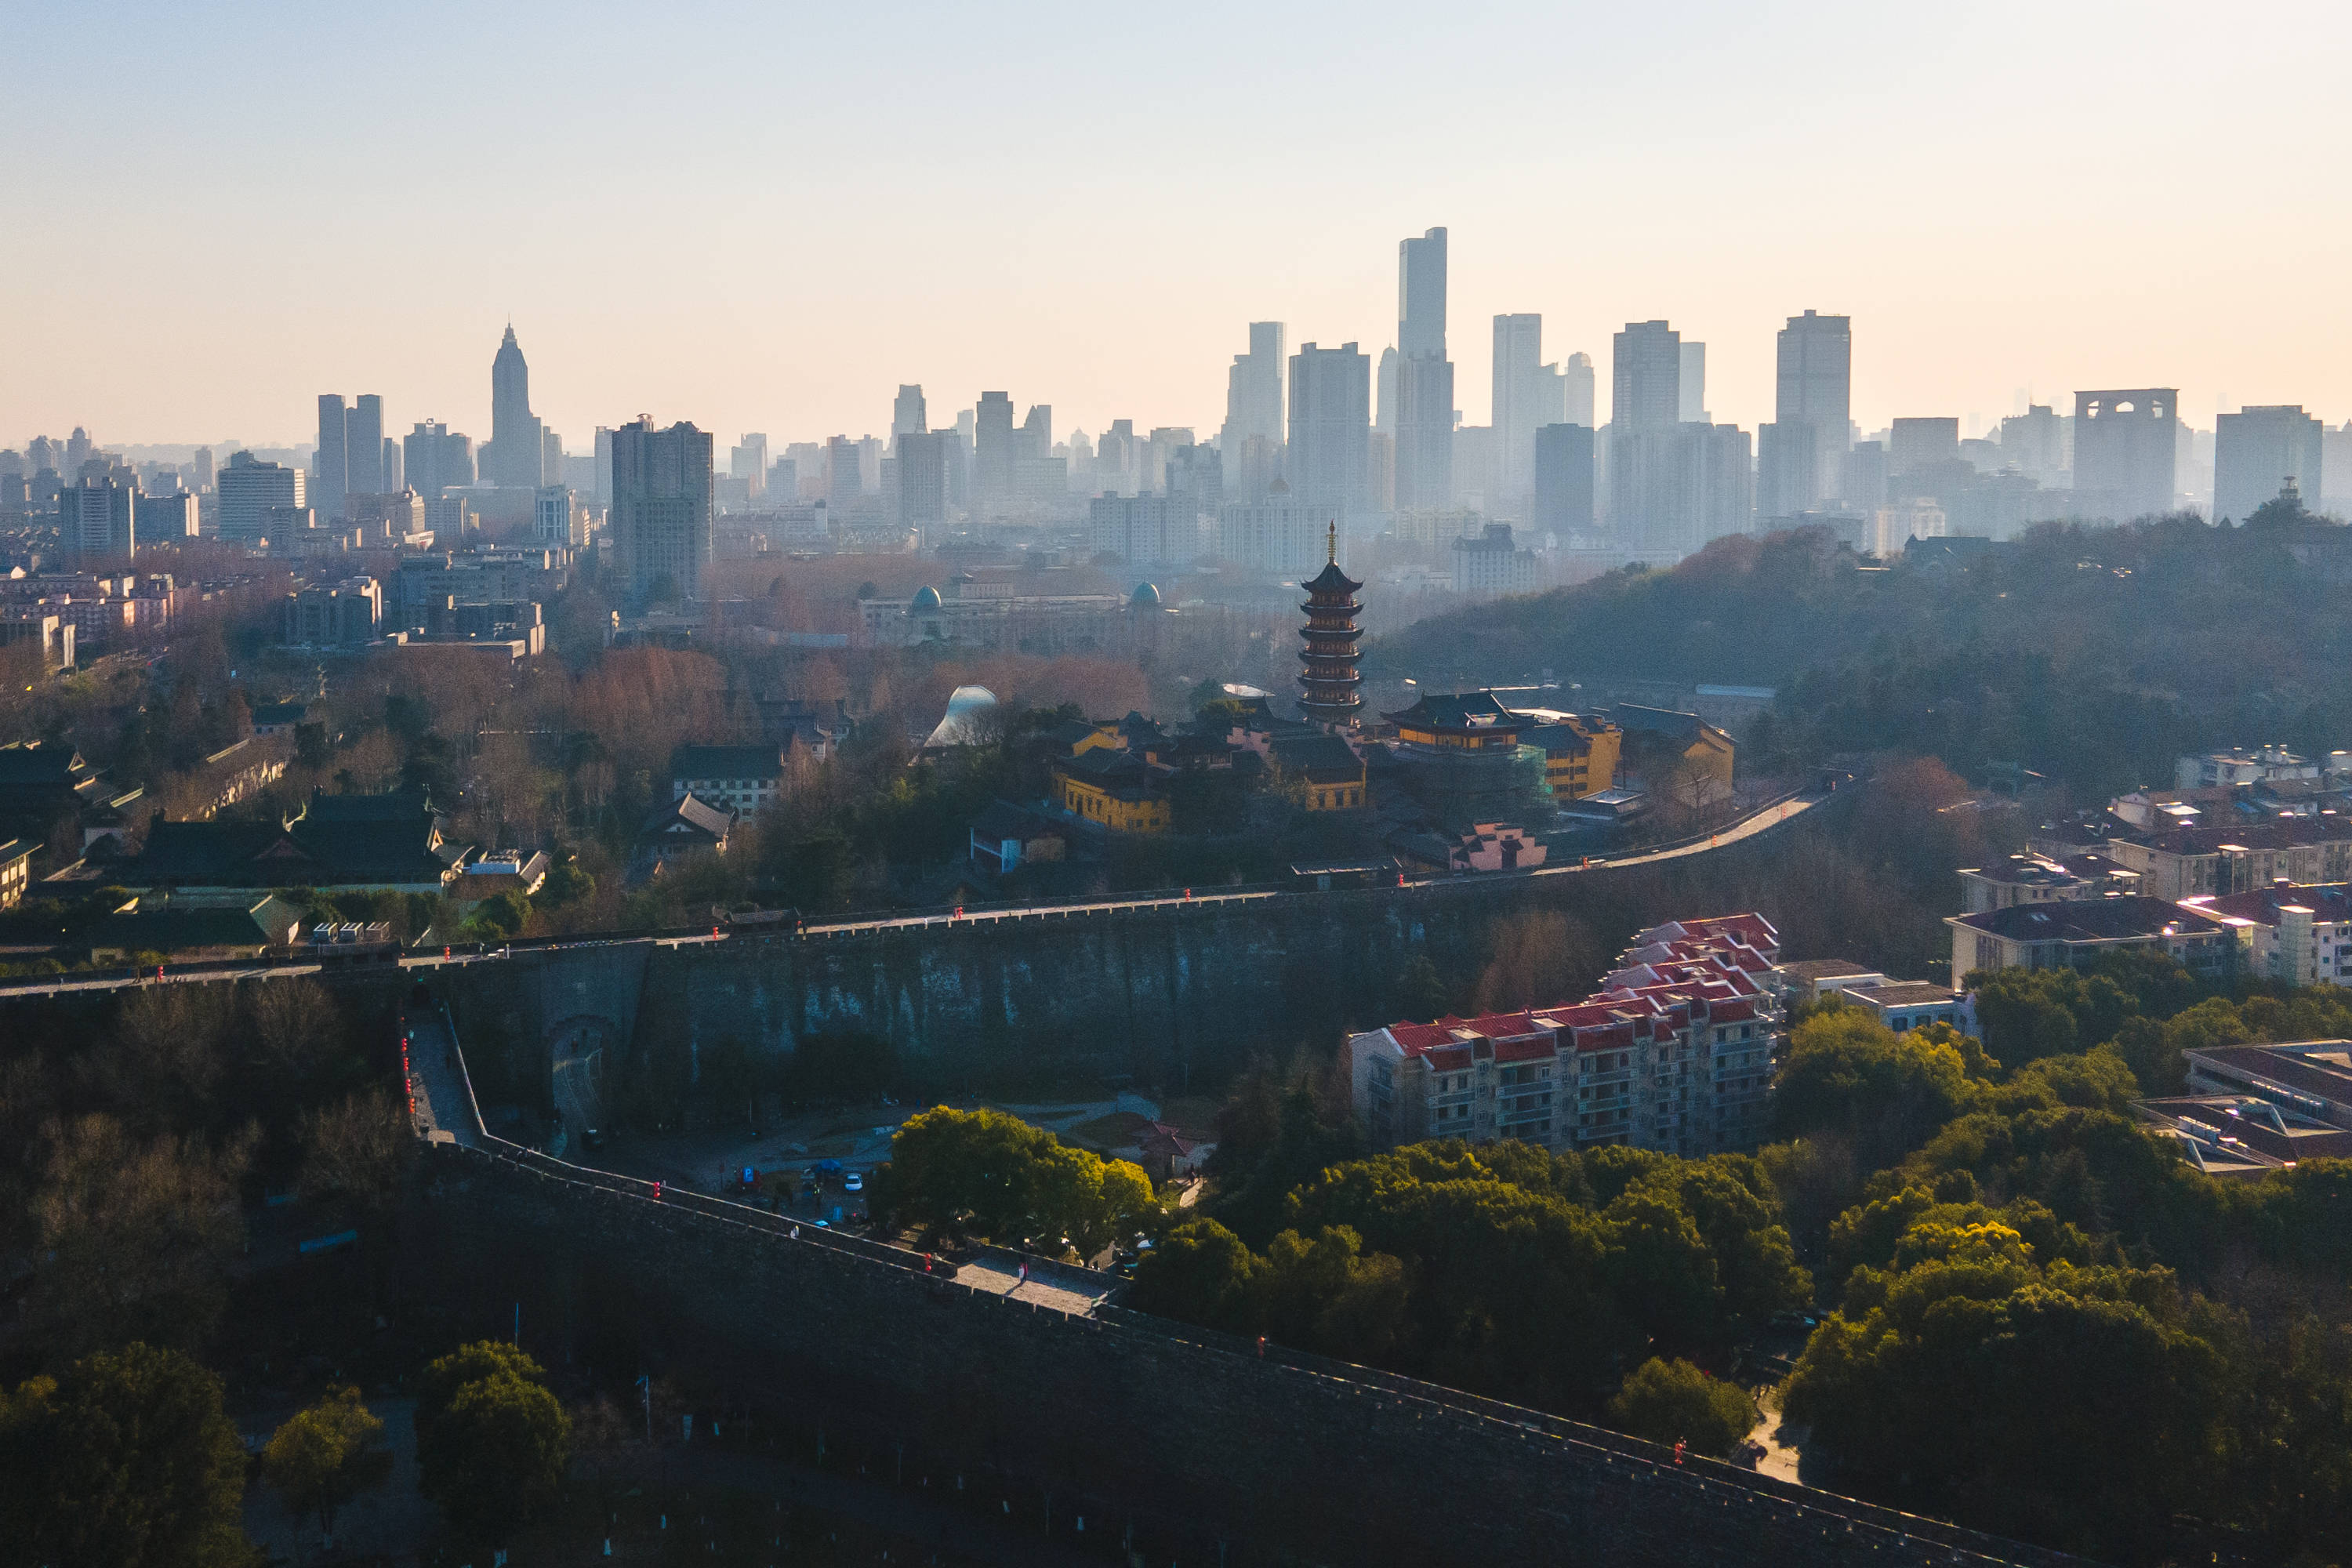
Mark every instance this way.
x=2329 y=901
x=2114 y=919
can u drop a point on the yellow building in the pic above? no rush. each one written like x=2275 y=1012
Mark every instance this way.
x=1580 y=751
x=1111 y=787
x=1323 y=770
x=1678 y=755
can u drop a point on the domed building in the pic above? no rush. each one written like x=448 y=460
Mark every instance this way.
x=1145 y=597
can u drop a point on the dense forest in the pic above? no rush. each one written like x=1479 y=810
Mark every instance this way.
x=2093 y=655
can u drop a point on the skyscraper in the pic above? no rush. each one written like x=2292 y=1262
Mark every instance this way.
x=662 y=508
x=2257 y=450
x=331 y=463
x=97 y=521
x=1330 y=426
x=516 y=455
x=1424 y=389
x=435 y=458
x=1691 y=385
x=363 y=439
x=2125 y=451
x=1251 y=438
x=1813 y=410
x=250 y=491
x=1521 y=385
x=1563 y=478
x=923 y=476
x=842 y=482
x=992 y=453
x=908 y=414
x=748 y=461
x=1645 y=379
x=1577 y=399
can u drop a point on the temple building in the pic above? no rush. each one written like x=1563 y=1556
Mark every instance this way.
x=1327 y=675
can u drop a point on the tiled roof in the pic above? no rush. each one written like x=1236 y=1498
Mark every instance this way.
x=2090 y=920
x=726 y=763
x=2326 y=901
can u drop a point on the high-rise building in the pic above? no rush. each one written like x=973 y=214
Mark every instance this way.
x=1917 y=446
x=842 y=483
x=250 y=491
x=604 y=467
x=1523 y=386
x=908 y=414
x=748 y=460
x=662 y=513
x=2257 y=450
x=164 y=519
x=97 y=521
x=922 y=457
x=992 y=453
x=1862 y=477
x=79 y=447
x=1384 y=410
x=1563 y=478
x=331 y=461
x=2034 y=444
x=1813 y=410
x=1672 y=490
x=395 y=465
x=1424 y=386
x=435 y=459
x=1577 y=399
x=1330 y=421
x=1252 y=435
x=364 y=440
x=200 y=467
x=1691 y=385
x=1645 y=390
x=517 y=454
x=2125 y=449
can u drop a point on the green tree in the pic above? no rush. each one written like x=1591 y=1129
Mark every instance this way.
x=128 y=1461
x=1420 y=991
x=1200 y=1273
x=996 y=1175
x=325 y=1456
x=491 y=1441
x=1881 y=1094
x=1675 y=1402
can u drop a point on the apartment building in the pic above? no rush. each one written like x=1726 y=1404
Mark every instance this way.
x=2302 y=935
x=1673 y=1053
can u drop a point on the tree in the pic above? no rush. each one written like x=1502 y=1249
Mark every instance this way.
x=1420 y=991
x=136 y=1238
x=356 y=1151
x=1849 y=1077
x=128 y=1461
x=1540 y=958
x=491 y=1441
x=996 y=1175
x=1200 y=1273
x=325 y=1456
x=1675 y=1402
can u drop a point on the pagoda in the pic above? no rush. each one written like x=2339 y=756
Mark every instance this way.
x=1328 y=673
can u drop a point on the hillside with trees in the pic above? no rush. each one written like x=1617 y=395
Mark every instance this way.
x=2093 y=655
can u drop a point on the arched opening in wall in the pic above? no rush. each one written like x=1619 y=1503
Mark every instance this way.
x=577 y=1055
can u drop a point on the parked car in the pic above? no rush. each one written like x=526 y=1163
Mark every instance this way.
x=853 y=1183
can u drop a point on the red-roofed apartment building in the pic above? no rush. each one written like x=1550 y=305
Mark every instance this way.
x=1674 y=1052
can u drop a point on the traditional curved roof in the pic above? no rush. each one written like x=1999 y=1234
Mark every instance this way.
x=1331 y=580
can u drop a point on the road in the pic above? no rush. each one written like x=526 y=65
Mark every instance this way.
x=1762 y=821
x=437 y=1084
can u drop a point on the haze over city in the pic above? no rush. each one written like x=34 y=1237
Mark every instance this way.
x=767 y=219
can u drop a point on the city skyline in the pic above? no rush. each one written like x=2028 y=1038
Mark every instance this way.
x=2011 y=234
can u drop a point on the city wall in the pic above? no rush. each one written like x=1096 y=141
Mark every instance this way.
x=1164 y=996
x=1258 y=1460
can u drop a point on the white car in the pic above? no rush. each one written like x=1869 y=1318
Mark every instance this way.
x=853 y=1183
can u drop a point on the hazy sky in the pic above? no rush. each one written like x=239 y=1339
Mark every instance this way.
x=767 y=216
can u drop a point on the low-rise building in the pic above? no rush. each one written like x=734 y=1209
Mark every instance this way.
x=1005 y=837
x=182 y=932
x=2302 y=935
x=345 y=842
x=2040 y=880
x=2241 y=764
x=2241 y=1134
x=1580 y=751
x=2073 y=933
x=1904 y=1004
x=1325 y=772
x=746 y=778
x=2307 y=1084
x=684 y=827
x=1110 y=788
x=489 y=876
x=1676 y=756
x=16 y=870
x=2182 y=863
x=1810 y=979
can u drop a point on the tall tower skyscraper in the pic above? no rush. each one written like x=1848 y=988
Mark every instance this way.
x=364 y=440
x=1691 y=385
x=908 y=414
x=1646 y=378
x=1424 y=391
x=2127 y=451
x=517 y=452
x=1330 y=429
x=1800 y=462
x=991 y=452
x=330 y=464
x=1521 y=400
x=1251 y=441
x=1577 y=400
x=661 y=506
